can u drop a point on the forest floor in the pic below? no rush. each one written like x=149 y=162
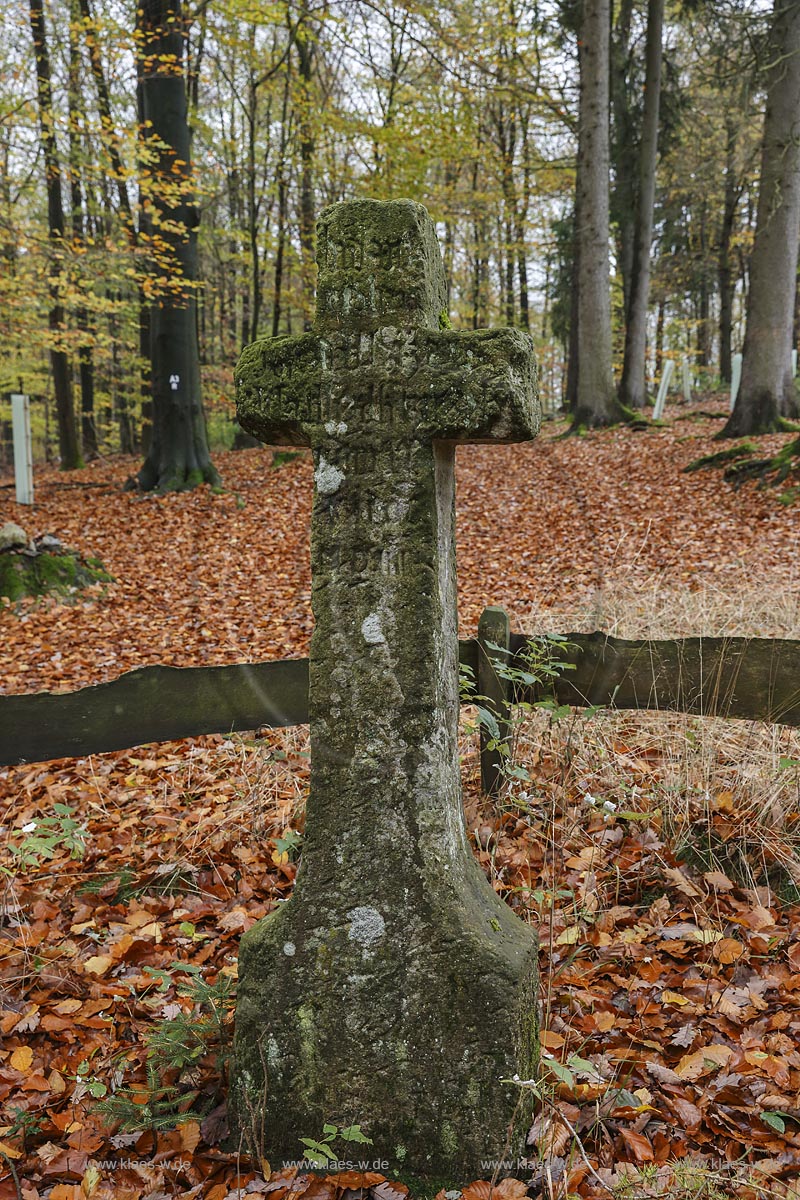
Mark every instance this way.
x=657 y=855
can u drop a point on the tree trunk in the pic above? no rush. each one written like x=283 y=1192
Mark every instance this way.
x=283 y=204
x=85 y=355
x=623 y=197
x=112 y=145
x=570 y=400
x=596 y=401
x=725 y=276
x=178 y=457
x=767 y=389
x=62 y=382
x=632 y=385
x=304 y=40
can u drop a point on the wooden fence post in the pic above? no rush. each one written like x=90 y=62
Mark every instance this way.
x=494 y=628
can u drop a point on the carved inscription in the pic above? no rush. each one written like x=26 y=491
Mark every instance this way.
x=363 y=252
x=383 y=403
x=391 y=562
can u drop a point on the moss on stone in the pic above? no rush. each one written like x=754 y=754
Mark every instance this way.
x=24 y=575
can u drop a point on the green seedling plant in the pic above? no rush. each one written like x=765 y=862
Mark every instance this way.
x=46 y=836
x=174 y=1047
x=90 y=1083
x=320 y=1152
x=289 y=843
x=535 y=669
x=24 y=1125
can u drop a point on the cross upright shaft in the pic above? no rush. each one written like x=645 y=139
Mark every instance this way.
x=394 y=989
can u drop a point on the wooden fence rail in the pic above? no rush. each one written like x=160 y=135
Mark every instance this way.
x=754 y=679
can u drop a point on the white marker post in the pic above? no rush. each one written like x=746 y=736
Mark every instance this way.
x=736 y=378
x=663 y=388
x=23 y=448
x=687 y=381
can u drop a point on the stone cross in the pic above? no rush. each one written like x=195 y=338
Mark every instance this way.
x=394 y=990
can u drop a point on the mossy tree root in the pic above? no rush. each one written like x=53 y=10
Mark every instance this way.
x=721 y=457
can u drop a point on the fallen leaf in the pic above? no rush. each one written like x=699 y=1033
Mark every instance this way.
x=22 y=1058
x=704 y=1061
x=639 y=1146
x=728 y=951
x=568 y=936
x=479 y=1190
x=758 y=918
x=69 y=1006
x=98 y=964
x=389 y=1190
x=55 y=1081
x=718 y=881
x=190 y=1136
x=511 y=1189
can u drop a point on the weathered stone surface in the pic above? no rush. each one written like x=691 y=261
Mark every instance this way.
x=394 y=990
x=12 y=536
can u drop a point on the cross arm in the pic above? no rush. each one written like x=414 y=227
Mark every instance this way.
x=278 y=384
x=480 y=386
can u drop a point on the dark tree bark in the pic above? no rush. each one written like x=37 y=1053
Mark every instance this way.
x=85 y=354
x=767 y=390
x=306 y=46
x=662 y=306
x=725 y=272
x=596 y=401
x=178 y=457
x=59 y=362
x=112 y=146
x=283 y=207
x=632 y=384
x=571 y=386
x=623 y=145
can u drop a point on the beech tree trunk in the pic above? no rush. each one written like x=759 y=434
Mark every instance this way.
x=62 y=380
x=85 y=352
x=178 y=457
x=623 y=147
x=283 y=207
x=596 y=403
x=725 y=272
x=767 y=390
x=304 y=40
x=632 y=385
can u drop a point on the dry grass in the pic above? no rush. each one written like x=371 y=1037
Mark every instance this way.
x=739 y=602
x=725 y=793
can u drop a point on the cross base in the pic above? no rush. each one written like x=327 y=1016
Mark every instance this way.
x=304 y=1061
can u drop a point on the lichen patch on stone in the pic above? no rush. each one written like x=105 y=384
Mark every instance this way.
x=366 y=925
x=328 y=478
x=371 y=630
